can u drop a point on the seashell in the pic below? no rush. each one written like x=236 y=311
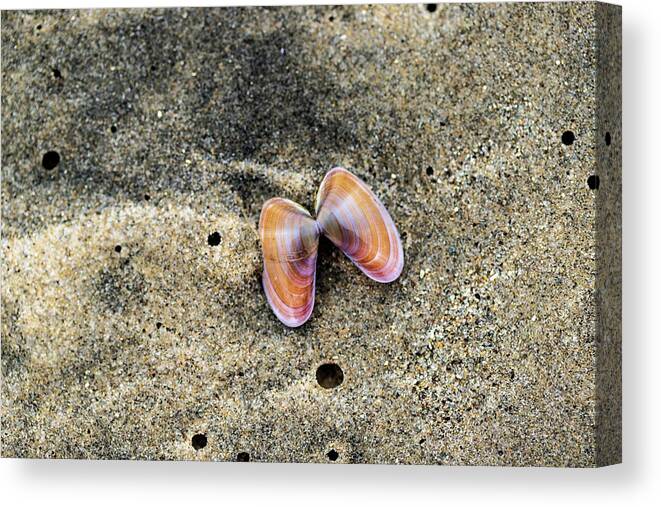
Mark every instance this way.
x=290 y=240
x=354 y=220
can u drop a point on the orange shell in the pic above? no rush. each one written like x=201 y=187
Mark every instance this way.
x=290 y=240
x=351 y=216
x=354 y=219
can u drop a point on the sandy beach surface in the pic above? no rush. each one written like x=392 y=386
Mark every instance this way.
x=134 y=325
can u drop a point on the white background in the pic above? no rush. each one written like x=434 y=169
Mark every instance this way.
x=636 y=482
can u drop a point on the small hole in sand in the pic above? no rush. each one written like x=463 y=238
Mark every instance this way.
x=431 y=7
x=430 y=171
x=113 y=129
x=50 y=160
x=568 y=137
x=159 y=325
x=332 y=455
x=608 y=138
x=243 y=457
x=214 y=239
x=57 y=73
x=38 y=27
x=147 y=197
x=329 y=375
x=199 y=441
x=118 y=248
x=593 y=182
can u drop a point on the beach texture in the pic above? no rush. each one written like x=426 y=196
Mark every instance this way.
x=134 y=324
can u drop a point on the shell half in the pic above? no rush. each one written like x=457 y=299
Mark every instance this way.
x=354 y=219
x=290 y=241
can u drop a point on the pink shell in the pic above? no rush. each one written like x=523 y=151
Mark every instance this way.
x=351 y=216
x=290 y=240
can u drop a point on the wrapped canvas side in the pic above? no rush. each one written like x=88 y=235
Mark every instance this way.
x=608 y=178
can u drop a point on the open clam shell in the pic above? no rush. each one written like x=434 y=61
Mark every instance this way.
x=351 y=216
